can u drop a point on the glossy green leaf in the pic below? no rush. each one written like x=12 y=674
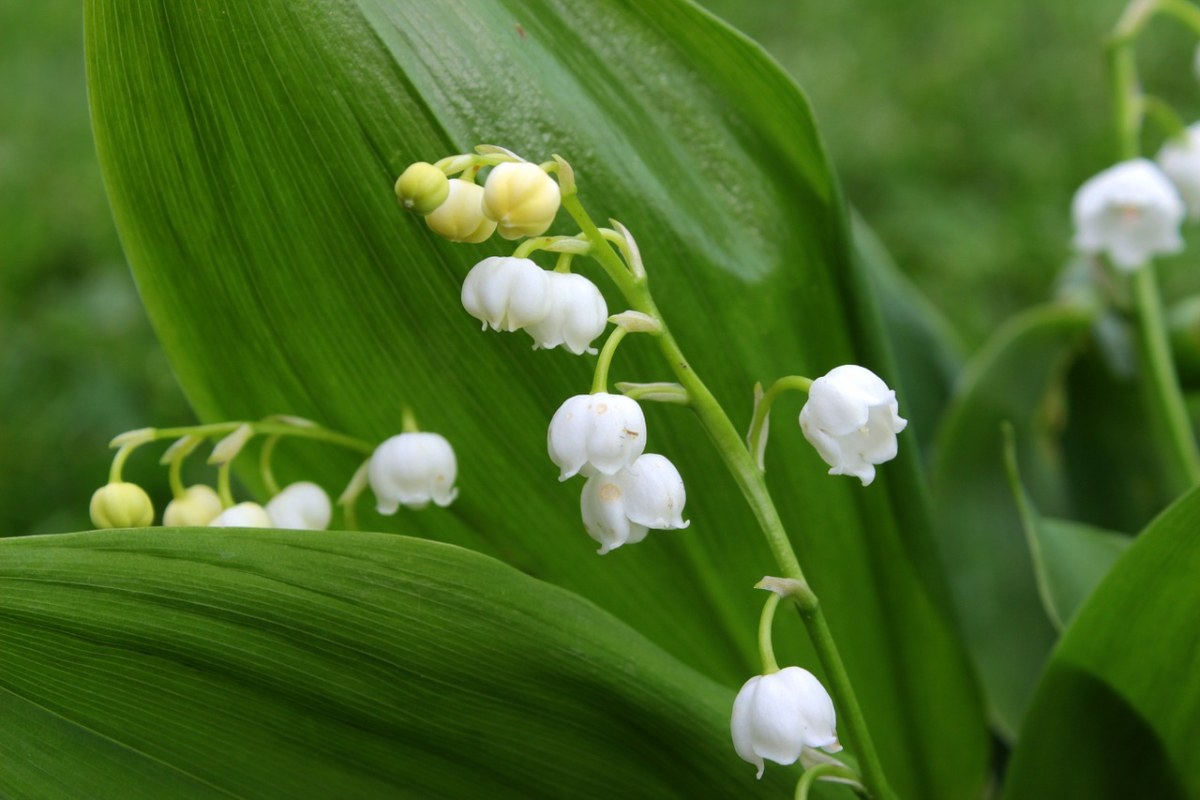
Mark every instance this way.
x=202 y=663
x=1069 y=558
x=1015 y=379
x=928 y=356
x=250 y=149
x=1117 y=713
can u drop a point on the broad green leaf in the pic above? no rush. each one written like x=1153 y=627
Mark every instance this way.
x=249 y=150
x=1069 y=558
x=928 y=356
x=1015 y=379
x=225 y=663
x=1117 y=713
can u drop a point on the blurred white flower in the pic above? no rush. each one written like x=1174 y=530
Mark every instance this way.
x=459 y=217
x=851 y=419
x=198 y=506
x=521 y=198
x=777 y=716
x=411 y=469
x=620 y=509
x=121 y=505
x=507 y=293
x=578 y=314
x=602 y=432
x=243 y=515
x=301 y=506
x=1180 y=160
x=1130 y=211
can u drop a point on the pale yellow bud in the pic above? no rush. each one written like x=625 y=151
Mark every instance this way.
x=199 y=506
x=121 y=505
x=522 y=199
x=460 y=218
x=422 y=188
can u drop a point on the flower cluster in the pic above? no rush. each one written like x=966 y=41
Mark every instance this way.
x=600 y=436
x=410 y=469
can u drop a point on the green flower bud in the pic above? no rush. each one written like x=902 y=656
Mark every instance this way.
x=422 y=188
x=198 y=506
x=121 y=505
x=460 y=218
x=522 y=199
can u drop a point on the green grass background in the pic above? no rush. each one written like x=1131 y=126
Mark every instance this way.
x=959 y=130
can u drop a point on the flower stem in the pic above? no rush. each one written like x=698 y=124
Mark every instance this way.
x=750 y=481
x=1171 y=425
x=600 y=378
x=763 y=409
x=264 y=465
x=765 y=648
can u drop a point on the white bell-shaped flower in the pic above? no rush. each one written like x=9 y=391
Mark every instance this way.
x=243 y=515
x=777 y=716
x=459 y=217
x=596 y=432
x=1180 y=160
x=521 y=198
x=411 y=469
x=301 y=506
x=578 y=314
x=121 y=505
x=1130 y=211
x=199 y=505
x=622 y=508
x=507 y=293
x=851 y=418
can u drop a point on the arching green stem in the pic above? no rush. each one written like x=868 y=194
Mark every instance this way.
x=600 y=377
x=175 y=477
x=264 y=464
x=749 y=479
x=762 y=410
x=818 y=771
x=118 y=462
x=224 y=491
x=765 y=647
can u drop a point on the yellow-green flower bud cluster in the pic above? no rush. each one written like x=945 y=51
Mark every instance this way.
x=518 y=198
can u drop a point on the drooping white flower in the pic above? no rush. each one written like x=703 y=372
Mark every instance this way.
x=777 y=716
x=1130 y=211
x=243 y=515
x=521 y=198
x=596 y=432
x=301 y=506
x=1180 y=160
x=578 y=314
x=622 y=508
x=411 y=469
x=459 y=217
x=198 y=506
x=121 y=505
x=851 y=418
x=507 y=293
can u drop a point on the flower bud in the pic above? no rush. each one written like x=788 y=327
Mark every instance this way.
x=596 y=432
x=778 y=716
x=243 y=515
x=578 y=314
x=460 y=216
x=121 y=505
x=198 y=506
x=522 y=199
x=507 y=293
x=301 y=506
x=851 y=418
x=411 y=469
x=1130 y=211
x=620 y=509
x=1180 y=160
x=422 y=188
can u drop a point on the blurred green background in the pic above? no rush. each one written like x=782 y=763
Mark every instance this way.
x=959 y=130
